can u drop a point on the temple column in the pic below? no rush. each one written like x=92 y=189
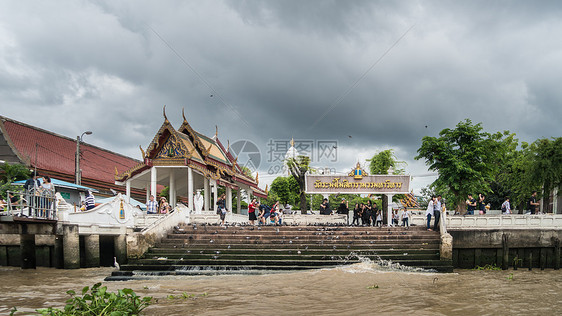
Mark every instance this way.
x=147 y=193
x=190 y=188
x=172 y=187
x=127 y=193
x=238 y=196
x=206 y=194
x=229 y=199
x=215 y=197
x=389 y=210
x=153 y=180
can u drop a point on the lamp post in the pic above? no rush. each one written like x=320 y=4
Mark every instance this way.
x=77 y=174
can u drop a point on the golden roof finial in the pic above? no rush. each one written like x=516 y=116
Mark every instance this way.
x=183 y=115
x=116 y=172
x=266 y=189
x=292 y=142
x=216 y=131
x=165 y=117
x=257 y=179
x=143 y=153
x=227 y=145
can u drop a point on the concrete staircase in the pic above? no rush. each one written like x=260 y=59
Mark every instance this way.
x=210 y=249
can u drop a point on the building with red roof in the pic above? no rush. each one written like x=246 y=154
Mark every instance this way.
x=54 y=155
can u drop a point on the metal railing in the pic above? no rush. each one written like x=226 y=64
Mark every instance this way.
x=33 y=203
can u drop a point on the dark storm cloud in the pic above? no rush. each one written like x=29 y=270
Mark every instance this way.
x=264 y=70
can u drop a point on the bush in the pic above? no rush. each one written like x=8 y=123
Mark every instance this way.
x=100 y=302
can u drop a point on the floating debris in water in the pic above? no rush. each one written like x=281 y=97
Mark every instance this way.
x=299 y=252
x=162 y=258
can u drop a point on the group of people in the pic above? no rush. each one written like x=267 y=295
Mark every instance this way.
x=273 y=214
x=368 y=213
x=434 y=209
x=153 y=207
x=472 y=205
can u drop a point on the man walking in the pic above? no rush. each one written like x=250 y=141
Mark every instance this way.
x=532 y=205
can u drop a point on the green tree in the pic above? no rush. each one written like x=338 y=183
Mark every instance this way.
x=545 y=167
x=285 y=189
x=465 y=159
x=10 y=173
x=298 y=168
x=382 y=161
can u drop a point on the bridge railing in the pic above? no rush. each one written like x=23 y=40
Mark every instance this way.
x=33 y=203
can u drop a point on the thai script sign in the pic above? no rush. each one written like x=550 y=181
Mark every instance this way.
x=354 y=185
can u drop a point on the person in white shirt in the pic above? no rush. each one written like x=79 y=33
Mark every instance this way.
x=429 y=212
x=506 y=208
x=405 y=218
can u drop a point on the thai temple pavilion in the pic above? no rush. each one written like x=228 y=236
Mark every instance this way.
x=187 y=161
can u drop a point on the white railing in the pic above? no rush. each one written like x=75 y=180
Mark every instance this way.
x=40 y=204
x=452 y=222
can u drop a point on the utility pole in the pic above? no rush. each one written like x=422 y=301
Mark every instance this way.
x=78 y=173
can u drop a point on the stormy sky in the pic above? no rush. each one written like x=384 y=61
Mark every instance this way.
x=355 y=77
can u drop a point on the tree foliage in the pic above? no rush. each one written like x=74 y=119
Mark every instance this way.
x=10 y=173
x=464 y=157
x=285 y=190
x=382 y=161
x=469 y=160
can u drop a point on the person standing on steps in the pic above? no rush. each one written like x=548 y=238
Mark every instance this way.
x=405 y=218
x=221 y=208
x=429 y=212
x=252 y=211
x=436 y=212
x=356 y=215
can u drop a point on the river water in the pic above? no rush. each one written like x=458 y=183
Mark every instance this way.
x=363 y=288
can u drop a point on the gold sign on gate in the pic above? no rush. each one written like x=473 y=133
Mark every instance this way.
x=357 y=182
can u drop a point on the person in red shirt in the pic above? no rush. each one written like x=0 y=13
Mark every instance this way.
x=252 y=211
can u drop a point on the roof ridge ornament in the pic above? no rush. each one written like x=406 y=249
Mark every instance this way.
x=216 y=131
x=165 y=117
x=183 y=115
x=143 y=153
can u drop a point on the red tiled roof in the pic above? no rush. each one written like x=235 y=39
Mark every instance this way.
x=49 y=151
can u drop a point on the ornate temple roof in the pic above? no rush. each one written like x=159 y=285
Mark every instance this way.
x=187 y=147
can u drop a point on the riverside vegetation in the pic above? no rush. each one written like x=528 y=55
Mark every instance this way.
x=99 y=302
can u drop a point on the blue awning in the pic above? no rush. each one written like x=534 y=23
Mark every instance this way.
x=62 y=184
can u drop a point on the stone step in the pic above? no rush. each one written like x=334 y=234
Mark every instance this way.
x=171 y=243
x=163 y=252
x=263 y=264
x=293 y=256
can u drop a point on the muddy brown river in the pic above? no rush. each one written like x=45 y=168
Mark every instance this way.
x=363 y=288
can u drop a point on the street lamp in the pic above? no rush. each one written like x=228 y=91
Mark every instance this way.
x=77 y=174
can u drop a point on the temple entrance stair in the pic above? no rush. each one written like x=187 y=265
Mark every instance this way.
x=210 y=249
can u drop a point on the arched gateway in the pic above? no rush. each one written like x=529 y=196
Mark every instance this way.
x=186 y=161
x=359 y=182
